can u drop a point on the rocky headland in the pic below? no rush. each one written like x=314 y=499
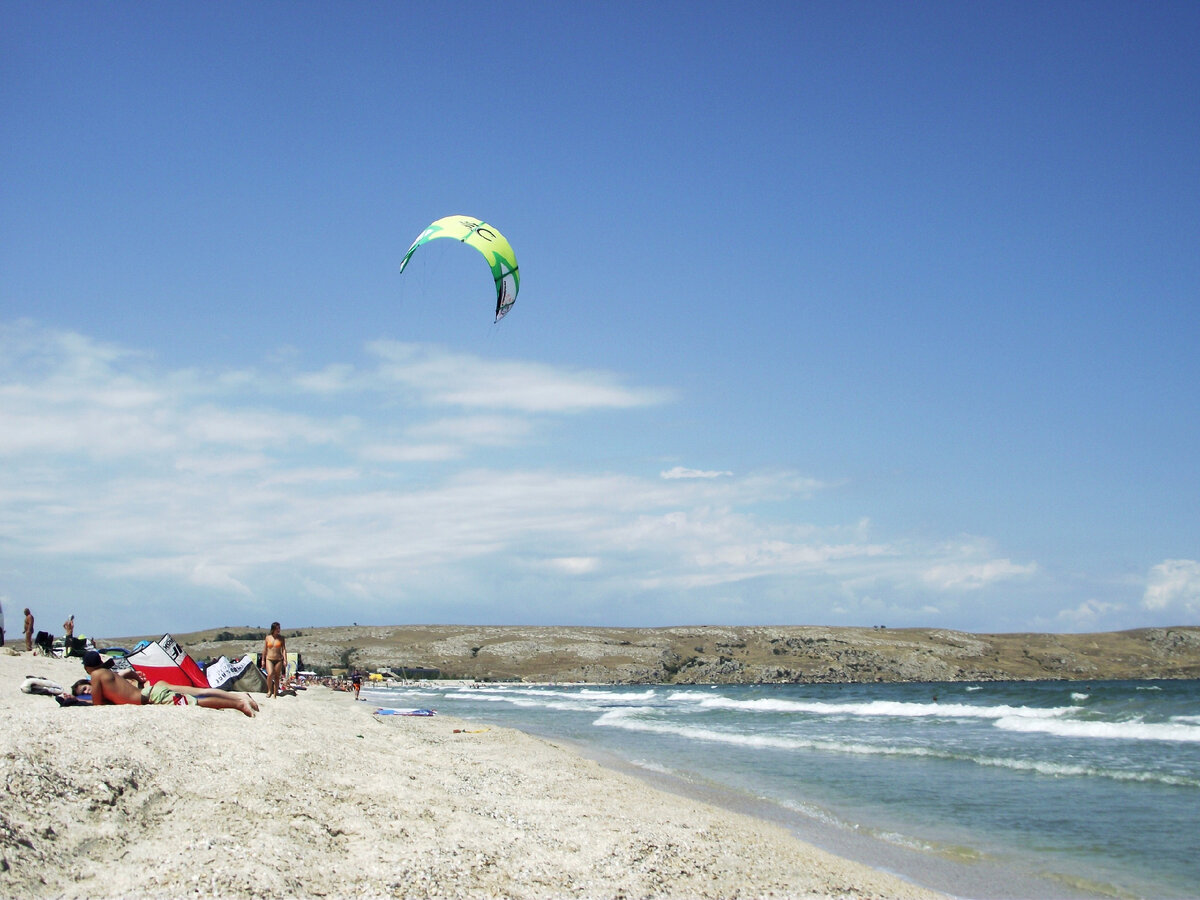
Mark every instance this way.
x=710 y=654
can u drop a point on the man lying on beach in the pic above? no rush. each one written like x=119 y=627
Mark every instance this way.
x=109 y=688
x=80 y=694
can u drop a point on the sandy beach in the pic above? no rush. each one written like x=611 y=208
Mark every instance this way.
x=317 y=797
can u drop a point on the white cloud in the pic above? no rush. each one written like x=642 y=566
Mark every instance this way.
x=223 y=464
x=195 y=571
x=330 y=380
x=681 y=472
x=261 y=427
x=1088 y=614
x=456 y=379
x=398 y=478
x=574 y=565
x=411 y=453
x=482 y=431
x=1174 y=585
x=314 y=475
x=970 y=575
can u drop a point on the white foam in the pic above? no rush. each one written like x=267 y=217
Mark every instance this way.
x=875 y=708
x=637 y=720
x=1124 y=731
x=657 y=768
x=553 y=698
x=618 y=695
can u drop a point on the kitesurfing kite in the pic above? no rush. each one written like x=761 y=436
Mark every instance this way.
x=488 y=241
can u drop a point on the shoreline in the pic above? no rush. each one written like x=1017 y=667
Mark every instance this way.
x=979 y=878
x=316 y=797
x=975 y=875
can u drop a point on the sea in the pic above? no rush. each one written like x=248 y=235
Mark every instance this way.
x=993 y=790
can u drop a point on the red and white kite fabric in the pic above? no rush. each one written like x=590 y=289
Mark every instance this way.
x=165 y=660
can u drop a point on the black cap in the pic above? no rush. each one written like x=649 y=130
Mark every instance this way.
x=93 y=660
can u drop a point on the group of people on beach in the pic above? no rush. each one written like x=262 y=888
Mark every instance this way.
x=68 y=628
x=132 y=687
x=109 y=687
x=104 y=686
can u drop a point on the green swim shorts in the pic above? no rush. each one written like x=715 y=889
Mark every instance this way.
x=163 y=692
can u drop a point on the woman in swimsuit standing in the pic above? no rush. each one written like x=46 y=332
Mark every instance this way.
x=274 y=658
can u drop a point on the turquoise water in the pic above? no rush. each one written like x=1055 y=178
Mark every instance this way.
x=1092 y=787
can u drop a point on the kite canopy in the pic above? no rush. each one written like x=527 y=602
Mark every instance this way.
x=488 y=241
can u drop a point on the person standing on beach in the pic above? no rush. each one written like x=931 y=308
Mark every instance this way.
x=28 y=629
x=1 y=624
x=69 y=628
x=274 y=659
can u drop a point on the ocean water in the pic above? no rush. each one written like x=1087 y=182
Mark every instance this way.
x=992 y=790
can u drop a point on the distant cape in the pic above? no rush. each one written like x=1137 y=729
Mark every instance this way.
x=713 y=654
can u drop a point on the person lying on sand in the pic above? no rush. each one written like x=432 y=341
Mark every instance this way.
x=77 y=694
x=109 y=688
x=80 y=694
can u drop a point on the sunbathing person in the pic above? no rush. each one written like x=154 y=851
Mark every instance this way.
x=80 y=694
x=109 y=688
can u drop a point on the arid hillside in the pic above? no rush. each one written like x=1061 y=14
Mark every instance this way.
x=724 y=654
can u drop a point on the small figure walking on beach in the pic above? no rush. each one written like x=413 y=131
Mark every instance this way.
x=28 y=630
x=69 y=628
x=274 y=659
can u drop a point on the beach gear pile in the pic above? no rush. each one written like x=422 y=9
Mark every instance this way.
x=165 y=660
x=60 y=647
x=161 y=661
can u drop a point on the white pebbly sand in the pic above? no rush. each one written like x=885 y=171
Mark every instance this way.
x=316 y=797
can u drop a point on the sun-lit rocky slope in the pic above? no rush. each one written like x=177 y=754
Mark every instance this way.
x=724 y=654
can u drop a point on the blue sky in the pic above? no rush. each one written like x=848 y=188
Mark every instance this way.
x=859 y=313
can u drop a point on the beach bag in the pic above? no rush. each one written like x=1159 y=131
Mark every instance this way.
x=236 y=675
x=252 y=680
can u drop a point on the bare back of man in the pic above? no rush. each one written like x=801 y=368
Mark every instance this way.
x=109 y=688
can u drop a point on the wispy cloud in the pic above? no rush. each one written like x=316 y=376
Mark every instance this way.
x=1174 y=585
x=1088 y=613
x=681 y=472
x=411 y=482
x=444 y=378
x=574 y=565
x=973 y=574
